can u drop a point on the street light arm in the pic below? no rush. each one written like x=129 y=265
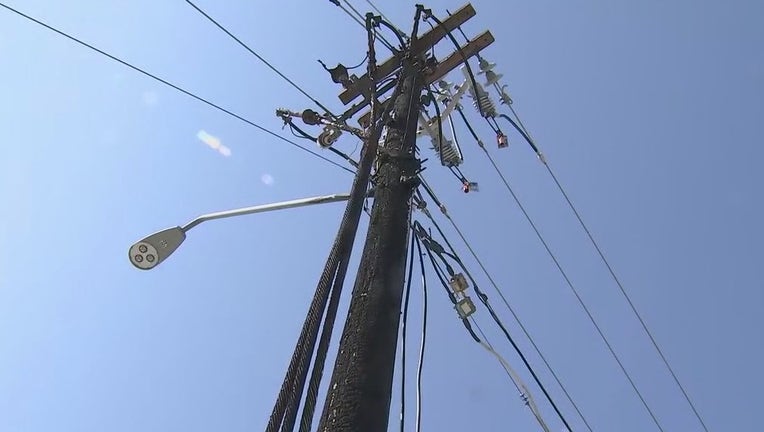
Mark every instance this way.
x=266 y=208
x=152 y=250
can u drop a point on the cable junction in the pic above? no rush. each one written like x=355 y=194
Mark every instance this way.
x=444 y=211
x=465 y=308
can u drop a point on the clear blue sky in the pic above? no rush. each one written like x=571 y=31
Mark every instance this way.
x=649 y=111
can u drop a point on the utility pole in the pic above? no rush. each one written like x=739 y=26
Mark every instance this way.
x=359 y=392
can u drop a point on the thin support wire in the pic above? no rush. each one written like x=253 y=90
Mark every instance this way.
x=575 y=291
x=259 y=57
x=525 y=394
x=610 y=269
x=512 y=311
x=173 y=86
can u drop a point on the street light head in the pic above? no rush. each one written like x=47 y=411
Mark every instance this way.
x=152 y=250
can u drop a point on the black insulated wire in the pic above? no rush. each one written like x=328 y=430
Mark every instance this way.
x=404 y=330
x=444 y=284
x=484 y=299
x=360 y=18
x=259 y=57
x=173 y=86
x=423 y=340
x=501 y=295
x=573 y=289
x=520 y=127
x=465 y=59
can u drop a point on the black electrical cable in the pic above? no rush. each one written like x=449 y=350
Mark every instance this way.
x=522 y=132
x=259 y=57
x=520 y=127
x=366 y=57
x=171 y=85
x=440 y=124
x=394 y=30
x=575 y=292
x=360 y=20
x=299 y=133
x=404 y=330
x=433 y=247
x=420 y=362
x=397 y=30
x=444 y=283
x=429 y=15
x=512 y=311
x=484 y=299
x=571 y=286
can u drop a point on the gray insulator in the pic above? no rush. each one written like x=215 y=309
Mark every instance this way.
x=451 y=156
x=484 y=103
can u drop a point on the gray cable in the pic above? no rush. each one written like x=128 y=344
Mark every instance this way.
x=525 y=394
x=259 y=57
x=574 y=290
x=171 y=85
x=495 y=285
x=610 y=269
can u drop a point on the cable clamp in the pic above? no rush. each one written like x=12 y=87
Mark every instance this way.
x=465 y=307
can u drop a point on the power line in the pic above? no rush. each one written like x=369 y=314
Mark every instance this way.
x=171 y=85
x=404 y=331
x=495 y=285
x=420 y=362
x=359 y=19
x=525 y=394
x=434 y=248
x=431 y=245
x=610 y=269
x=569 y=282
x=259 y=57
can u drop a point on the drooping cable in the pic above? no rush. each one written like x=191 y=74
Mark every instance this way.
x=484 y=299
x=570 y=285
x=440 y=124
x=360 y=18
x=259 y=57
x=299 y=133
x=444 y=210
x=394 y=28
x=434 y=249
x=465 y=59
x=171 y=85
x=442 y=279
x=404 y=331
x=525 y=394
x=423 y=340
x=527 y=136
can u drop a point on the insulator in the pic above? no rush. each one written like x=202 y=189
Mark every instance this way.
x=483 y=103
x=485 y=65
x=451 y=156
x=481 y=100
x=492 y=78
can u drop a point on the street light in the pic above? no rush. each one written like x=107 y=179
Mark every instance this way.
x=147 y=253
